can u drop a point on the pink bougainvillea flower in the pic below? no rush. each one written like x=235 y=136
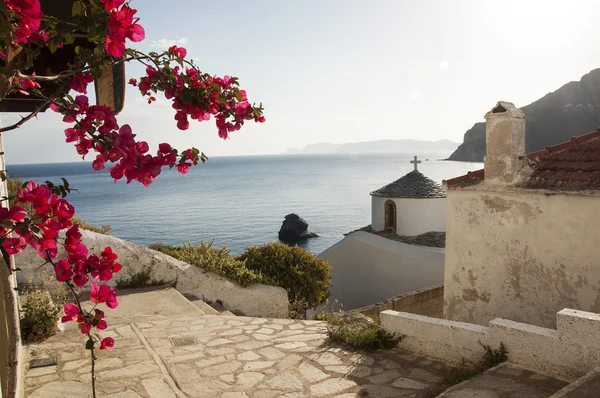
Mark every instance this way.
x=80 y=279
x=62 y=209
x=102 y=325
x=23 y=85
x=183 y=168
x=81 y=81
x=115 y=48
x=136 y=33
x=122 y=25
x=112 y=4
x=85 y=327
x=30 y=16
x=71 y=313
x=14 y=245
x=107 y=343
x=63 y=270
x=178 y=52
x=103 y=294
x=17 y=214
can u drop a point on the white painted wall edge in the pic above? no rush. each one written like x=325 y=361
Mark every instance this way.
x=566 y=353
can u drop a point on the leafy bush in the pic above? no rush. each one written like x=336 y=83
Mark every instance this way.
x=219 y=261
x=39 y=316
x=356 y=332
x=14 y=184
x=305 y=276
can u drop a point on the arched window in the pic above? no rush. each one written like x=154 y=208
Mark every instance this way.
x=390 y=215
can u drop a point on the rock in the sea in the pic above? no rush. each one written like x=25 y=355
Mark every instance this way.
x=295 y=229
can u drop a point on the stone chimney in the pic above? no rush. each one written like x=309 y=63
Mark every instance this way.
x=505 y=139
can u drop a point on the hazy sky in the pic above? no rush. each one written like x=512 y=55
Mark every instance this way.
x=346 y=71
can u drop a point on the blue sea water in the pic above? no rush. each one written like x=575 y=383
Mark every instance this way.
x=239 y=201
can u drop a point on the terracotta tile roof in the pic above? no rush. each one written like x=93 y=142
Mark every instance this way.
x=571 y=165
x=471 y=178
x=577 y=160
x=412 y=185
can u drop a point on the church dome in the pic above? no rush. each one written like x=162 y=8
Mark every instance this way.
x=412 y=185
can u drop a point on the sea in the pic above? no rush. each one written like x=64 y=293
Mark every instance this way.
x=240 y=201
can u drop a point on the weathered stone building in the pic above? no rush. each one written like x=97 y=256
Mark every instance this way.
x=522 y=232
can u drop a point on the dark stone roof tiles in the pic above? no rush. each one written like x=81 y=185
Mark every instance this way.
x=412 y=185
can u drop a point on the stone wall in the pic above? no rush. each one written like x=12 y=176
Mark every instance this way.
x=520 y=255
x=428 y=301
x=567 y=352
x=255 y=300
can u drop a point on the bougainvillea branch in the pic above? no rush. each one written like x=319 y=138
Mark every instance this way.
x=41 y=217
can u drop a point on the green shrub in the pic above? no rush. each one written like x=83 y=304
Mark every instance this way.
x=219 y=261
x=305 y=276
x=39 y=316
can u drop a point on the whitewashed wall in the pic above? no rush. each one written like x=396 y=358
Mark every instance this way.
x=520 y=255
x=567 y=352
x=413 y=216
x=254 y=300
x=367 y=268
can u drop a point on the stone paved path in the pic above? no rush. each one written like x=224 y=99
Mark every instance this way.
x=225 y=357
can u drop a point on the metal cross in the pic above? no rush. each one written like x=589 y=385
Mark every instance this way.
x=415 y=162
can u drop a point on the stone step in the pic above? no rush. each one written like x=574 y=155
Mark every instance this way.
x=204 y=307
x=214 y=308
x=506 y=380
x=146 y=304
x=587 y=386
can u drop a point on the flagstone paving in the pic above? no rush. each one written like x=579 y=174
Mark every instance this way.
x=225 y=357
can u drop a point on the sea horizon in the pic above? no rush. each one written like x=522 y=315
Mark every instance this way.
x=239 y=201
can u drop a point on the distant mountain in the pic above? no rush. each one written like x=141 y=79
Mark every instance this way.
x=573 y=109
x=381 y=146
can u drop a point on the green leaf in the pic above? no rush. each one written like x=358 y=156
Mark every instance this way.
x=69 y=38
x=89 y=344
x=98 y=51
x=78 y=9
x=52 y=46
x=6 y=223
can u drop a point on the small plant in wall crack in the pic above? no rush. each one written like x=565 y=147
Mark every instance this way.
x=491 y=357
x=357 y=332
x=140 y=279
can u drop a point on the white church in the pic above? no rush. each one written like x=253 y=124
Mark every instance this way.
x=409 y=206
x=401 y=251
